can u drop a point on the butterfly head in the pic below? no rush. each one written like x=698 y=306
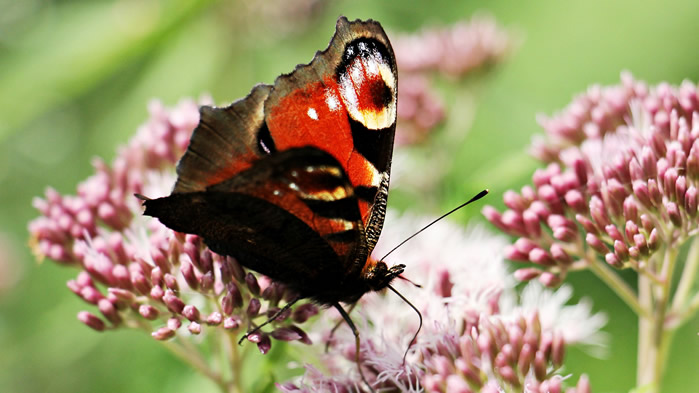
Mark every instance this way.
x=378 y=275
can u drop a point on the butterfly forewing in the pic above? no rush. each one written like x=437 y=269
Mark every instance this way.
x=224 y=142
x=344 y=102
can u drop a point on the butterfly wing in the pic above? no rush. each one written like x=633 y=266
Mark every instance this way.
x=344 y=102
x=313 y=153
x=224 y=142
x=291 y=216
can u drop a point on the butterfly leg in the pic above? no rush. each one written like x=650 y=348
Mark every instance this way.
x=337 y=325
x=270 y=319
x=347 y=319
x=419 y=315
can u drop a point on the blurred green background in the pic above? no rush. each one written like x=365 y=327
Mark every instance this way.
x=75 y=78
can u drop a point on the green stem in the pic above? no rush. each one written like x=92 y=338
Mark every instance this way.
x=687 y=279
x=654 y=338
x=235 y=362
x=194 y=359
x=646 y=352
x=619 y=286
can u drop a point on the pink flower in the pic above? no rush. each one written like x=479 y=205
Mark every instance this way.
x=453 y=52
x=619 y=192
x=474 y=337
x=624 y=163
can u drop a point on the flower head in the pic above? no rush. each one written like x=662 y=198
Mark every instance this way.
x=621 y=182
x=475 y=335
x=454 y=52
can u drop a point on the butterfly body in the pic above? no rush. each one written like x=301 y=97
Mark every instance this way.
x=292 y=180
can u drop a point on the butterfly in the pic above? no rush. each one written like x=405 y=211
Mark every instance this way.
x=293 y=179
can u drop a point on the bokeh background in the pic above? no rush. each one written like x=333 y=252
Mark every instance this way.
x=76 y=76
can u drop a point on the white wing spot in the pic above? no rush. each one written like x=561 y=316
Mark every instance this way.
x=312 y=113
x=331 y=100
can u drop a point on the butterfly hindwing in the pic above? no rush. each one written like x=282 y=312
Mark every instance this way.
x=254 y=216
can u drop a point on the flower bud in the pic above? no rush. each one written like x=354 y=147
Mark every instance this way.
x=156 y=276
x=148 y=312
x=156 y=293
x=252 y=284
x=514 y=201
x=189 y=276
x=109 y=311
x=139 y=281
x=630 y=209
x=172 y=302
x=122 y=277
x=674 y=213
x=541 y=257
x=583 y=385
x=285 y=334
x=587 y=224
x=303 y=312
x=621 y=250
x=171 y=282
x=207 y=281
x=613 y=232
x=531 y=223
x=194 y=328
x=253 y=308
x=527 y=273
x=613 y=260
x=190 y=312
x=215 y=318
x=163 y=334
x=231 y=323
x=549 y=279
x=596 y=244
x=91 y=320
x=174 y=323
x=680 y=190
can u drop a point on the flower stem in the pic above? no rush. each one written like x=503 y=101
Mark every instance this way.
x=646 y=352
x=654 y=337
x=235 y=362
x=194 y=359
x=618 y=285
x=680 y=302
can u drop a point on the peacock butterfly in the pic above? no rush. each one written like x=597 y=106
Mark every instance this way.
x=292 y=180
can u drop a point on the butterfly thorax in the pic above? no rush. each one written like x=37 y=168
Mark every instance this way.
x=378 y=275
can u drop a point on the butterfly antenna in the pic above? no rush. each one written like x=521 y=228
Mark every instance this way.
x=475 y=198
x=419 y=315
x=410 y=281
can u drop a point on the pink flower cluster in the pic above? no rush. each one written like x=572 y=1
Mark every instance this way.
x=138 y=272
x=472 y=340
x=454 y=51
x=494 y=353
x=621 y=182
